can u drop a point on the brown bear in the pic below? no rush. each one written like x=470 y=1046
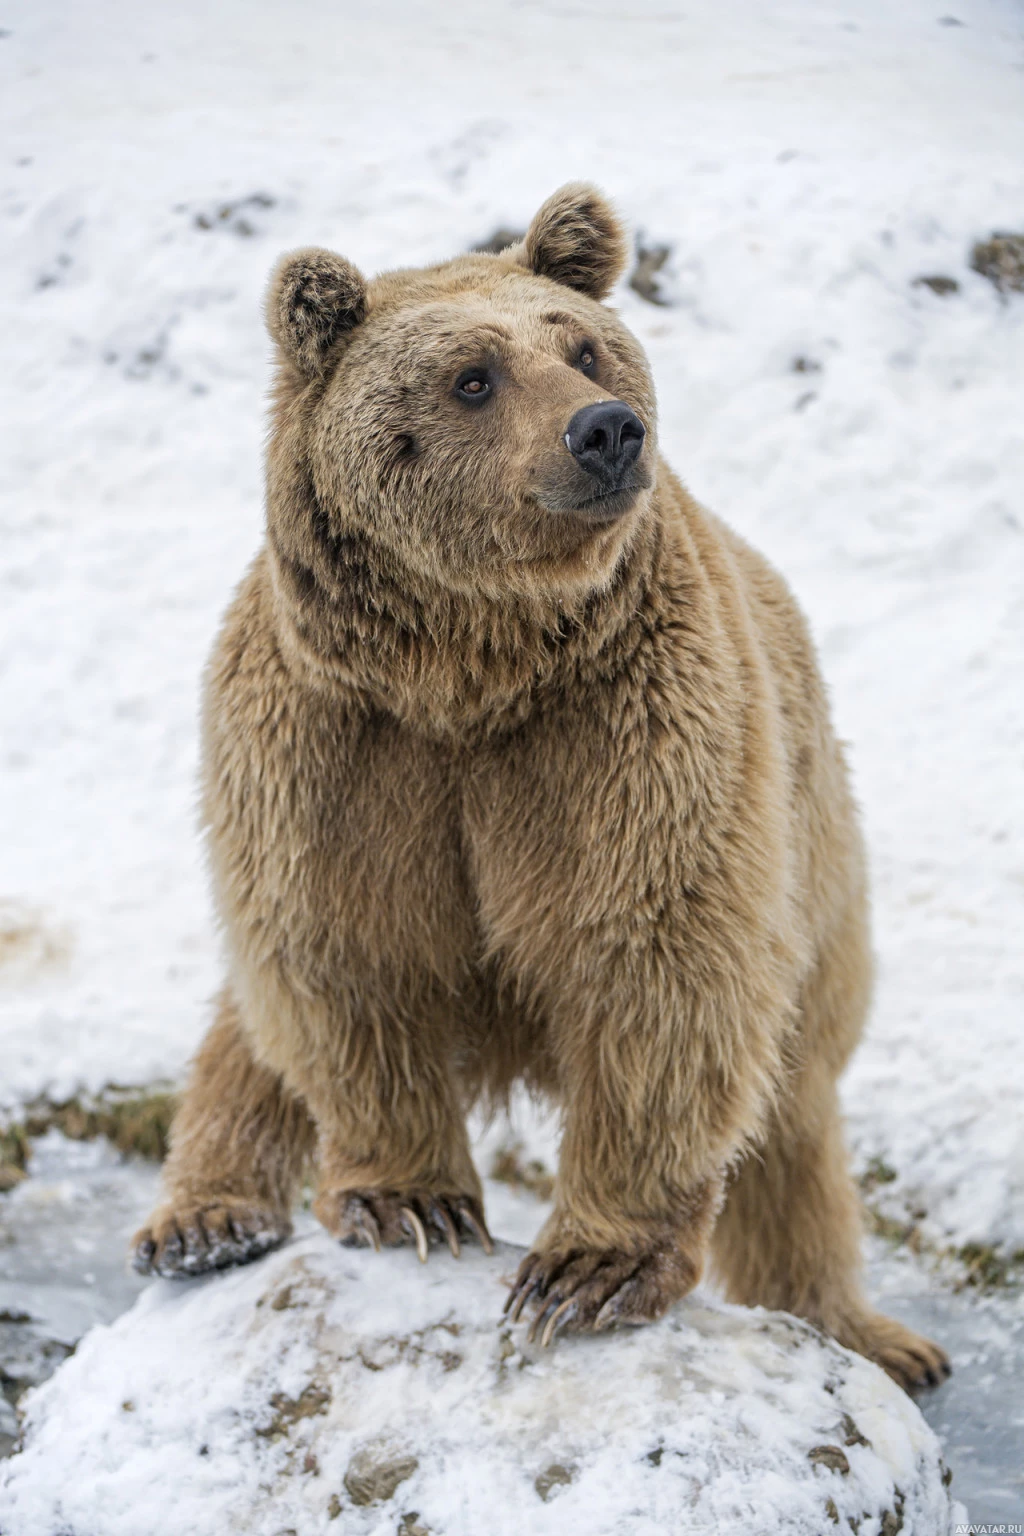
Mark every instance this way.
x=518 y=768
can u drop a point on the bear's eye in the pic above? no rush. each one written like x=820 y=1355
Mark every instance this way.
x=473 y=386
x=586 y=358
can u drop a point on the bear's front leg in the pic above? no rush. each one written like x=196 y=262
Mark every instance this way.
x=668 y=1036
x=388 y=1217
x=577 y=1283
x=239 y=1144
x=399 y=1196
x=375 y=1071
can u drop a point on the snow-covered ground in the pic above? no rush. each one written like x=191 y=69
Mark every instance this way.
x=64 y=1231
x=806 y=163
x=323 y=1386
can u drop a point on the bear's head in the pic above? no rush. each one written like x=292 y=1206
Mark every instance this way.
x=487 y=424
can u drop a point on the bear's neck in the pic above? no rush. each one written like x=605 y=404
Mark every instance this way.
x=350 y=618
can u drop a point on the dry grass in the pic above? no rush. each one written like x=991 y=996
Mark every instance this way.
x=975 y=1266
x=134 y=1120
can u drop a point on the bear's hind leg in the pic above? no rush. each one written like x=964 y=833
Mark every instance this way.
x=239 y=1143
x=789 y=1234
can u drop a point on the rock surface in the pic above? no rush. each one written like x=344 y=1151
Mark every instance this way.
x=335 y=1391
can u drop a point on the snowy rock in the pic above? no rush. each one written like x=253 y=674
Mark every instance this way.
x=336 y=1391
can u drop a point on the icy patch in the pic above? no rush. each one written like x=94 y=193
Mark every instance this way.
x=64 y=1236
x=325 y=1385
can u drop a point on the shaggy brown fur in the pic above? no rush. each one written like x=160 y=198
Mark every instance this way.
x=506 y=783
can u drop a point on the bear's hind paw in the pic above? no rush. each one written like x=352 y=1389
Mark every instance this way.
x=912 y=1361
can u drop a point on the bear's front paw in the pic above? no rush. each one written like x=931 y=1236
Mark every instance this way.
x=188 y=1239
x=578 y=1289
x=377 y=1217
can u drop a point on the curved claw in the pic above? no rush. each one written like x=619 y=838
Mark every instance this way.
x=524 y=1296
x=418 y=1230
x=524 y=1287
x=559 y=1319
x=542 y=1312
x=609 y=1312
x=142 y=1259
x=443 y=1220
x=477 y=1225
x=364 y=1222
x=369 y=1225
x=174 y=1249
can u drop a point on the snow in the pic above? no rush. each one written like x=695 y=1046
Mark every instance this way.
x=807 y=164
x=325 y=1384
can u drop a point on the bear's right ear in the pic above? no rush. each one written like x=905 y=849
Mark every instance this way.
x=313 y=299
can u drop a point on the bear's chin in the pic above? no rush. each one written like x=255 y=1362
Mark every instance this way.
x=568 y=553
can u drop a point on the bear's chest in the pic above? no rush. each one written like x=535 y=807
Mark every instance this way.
x=579 y=827
x=398 y=860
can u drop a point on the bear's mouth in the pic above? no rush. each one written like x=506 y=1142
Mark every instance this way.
x=582 y=500
x=606 y=506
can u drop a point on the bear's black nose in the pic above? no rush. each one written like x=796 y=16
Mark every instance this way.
x=606 y=440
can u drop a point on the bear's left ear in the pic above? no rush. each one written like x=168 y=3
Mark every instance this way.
x=576 y=239
x=313 y=299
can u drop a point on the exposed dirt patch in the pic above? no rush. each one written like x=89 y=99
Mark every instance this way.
x=510 y=1167
x=1001 y=259
x=31 y=946
x=311 y=1400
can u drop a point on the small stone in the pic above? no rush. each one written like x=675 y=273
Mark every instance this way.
x=373 y=1475
x=555 y=1476
x=938 y=283
x=830 y=1456
x=851 y=1434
